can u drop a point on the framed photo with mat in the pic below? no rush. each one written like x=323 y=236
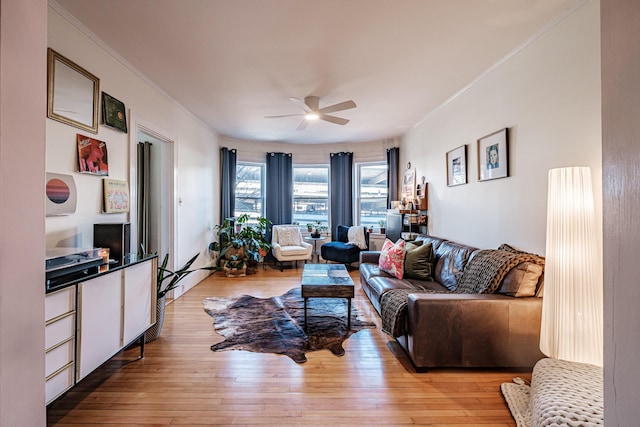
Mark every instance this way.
x=457 y=166
x=493 y=156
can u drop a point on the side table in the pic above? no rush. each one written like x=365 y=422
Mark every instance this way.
x=315 y=254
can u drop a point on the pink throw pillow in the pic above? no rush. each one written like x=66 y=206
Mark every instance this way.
x=392 y=258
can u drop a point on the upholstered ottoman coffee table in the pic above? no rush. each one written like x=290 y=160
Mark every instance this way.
x=327 y=281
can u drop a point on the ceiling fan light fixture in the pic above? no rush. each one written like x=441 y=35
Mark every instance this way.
x=312 y=116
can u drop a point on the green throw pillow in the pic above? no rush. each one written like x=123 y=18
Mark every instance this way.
x=418 y=261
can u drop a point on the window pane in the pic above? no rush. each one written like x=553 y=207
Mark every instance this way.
x=249 y=178
x=311 y=194
x=373 y=194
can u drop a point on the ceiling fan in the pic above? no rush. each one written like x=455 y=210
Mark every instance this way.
x=311 y=104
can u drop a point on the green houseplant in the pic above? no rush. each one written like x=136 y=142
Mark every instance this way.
x=166 y=281
x=239 y=244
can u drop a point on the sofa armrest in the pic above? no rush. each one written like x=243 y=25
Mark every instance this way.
x=473 y=330
x=369 y=256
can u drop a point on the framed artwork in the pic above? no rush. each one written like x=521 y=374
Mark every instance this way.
x=113 y=113
x=92 y=156
x=116 y=196
x=72 y=93
x=457 y=166
x=493 y=156
x=409 y=184
x=61 y=195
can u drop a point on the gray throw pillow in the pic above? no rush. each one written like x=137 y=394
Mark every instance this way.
x=418 y=261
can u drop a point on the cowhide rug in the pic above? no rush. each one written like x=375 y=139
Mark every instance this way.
x=276 y=325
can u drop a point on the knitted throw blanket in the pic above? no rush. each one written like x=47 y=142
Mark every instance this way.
x=393 y=310
x=482 y=274
x=485 y=271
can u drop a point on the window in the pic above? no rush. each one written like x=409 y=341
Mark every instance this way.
x=372 y=193
x=311 y=194
x=249 y=189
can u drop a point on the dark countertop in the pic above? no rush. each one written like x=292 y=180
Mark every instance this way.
x=93 y=273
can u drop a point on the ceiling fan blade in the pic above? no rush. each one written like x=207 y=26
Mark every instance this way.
x=283 y=115
x=303 y=124
x=300 y=103
x=334 y=119
x=338 y=107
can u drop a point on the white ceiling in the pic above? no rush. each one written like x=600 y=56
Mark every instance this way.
x=232 y=62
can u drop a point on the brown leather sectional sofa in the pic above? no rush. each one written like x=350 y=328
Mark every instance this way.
x=446 y=327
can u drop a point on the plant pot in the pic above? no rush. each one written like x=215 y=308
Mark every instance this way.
x=154 y=332
x=235 y=272
x=382 y=230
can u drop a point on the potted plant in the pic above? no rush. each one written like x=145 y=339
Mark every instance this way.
x=167 y=281
x=383 y=225
x=241 y=245
x=310 y=227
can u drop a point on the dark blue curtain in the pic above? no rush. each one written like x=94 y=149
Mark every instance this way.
x=227 y=183
x=393 y=164
x=279 y=191
x=341 y=186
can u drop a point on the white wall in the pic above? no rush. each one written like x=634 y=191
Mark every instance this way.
x=196 y=149
x=23 y=37
x=548 y=95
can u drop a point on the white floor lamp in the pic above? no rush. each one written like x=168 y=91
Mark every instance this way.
x=572 y=304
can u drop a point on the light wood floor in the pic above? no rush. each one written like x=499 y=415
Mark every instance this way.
x=182 y=382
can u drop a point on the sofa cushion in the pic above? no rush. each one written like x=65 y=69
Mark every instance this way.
x=451 y=264
x=521 y=280
x=392 y=258
x=418 y=261
x=369 y=271
x=539 y=260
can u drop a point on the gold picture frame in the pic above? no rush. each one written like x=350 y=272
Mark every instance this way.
x=72 y=93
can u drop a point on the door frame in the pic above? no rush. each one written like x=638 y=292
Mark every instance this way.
x=139 y=124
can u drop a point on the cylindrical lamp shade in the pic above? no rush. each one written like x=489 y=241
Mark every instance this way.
x=572 y=303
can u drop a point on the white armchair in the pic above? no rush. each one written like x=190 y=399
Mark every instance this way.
x=288 y=245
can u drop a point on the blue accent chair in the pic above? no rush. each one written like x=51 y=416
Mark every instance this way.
x=341 y=251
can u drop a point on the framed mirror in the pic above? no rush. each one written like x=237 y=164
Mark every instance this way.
x=72 y=93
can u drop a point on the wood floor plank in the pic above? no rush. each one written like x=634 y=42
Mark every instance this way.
x=182 y=382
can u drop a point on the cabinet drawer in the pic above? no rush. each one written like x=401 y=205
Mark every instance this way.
x=60 y=330
x=60 y=302
x=59 y=383
x=58 y=357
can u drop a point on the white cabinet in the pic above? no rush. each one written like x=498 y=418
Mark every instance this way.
x=113 y=310
x=89 y=322
x=60 y=328
x=139 y=313
x=99 y=321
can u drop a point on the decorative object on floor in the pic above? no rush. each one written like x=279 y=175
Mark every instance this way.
x=241 y=245
x=61 y=194
x=275 y=325
x=562 y=393
x=457 y=166
x=572 y=327
x=174 y=278
x=493 y=156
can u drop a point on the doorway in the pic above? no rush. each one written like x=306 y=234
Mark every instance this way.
x=159 y=192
